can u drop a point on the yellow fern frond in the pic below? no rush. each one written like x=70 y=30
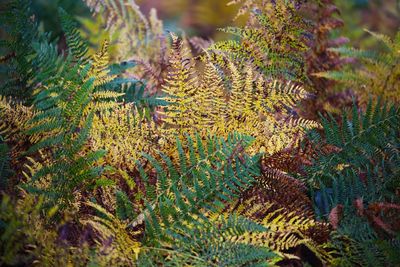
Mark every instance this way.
x=99 y=69
x=286 y=229
x=111 y=227
x=124 y=133
x=211 y=96
x=107 y=95
x=14 y=118
x=236 y=105
x=180 y=88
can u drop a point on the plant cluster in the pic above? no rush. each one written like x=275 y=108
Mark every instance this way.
x=124 y=145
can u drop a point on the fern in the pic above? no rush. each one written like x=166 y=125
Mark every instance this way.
x=286 y=229
x=76 y=44
x=191 y=160
x=137 y=37
x=124 y=206
x=67 y=103
x=378 y=72
x=209 y=175
x=272 y=41
x=185 y=203
x=63 y=118
x=22 y=32
x=125 y=133
x=355 y=184
x=216 y=244
x=242 y=101
x=366 y=137
x=180 y=87
x=5 y=170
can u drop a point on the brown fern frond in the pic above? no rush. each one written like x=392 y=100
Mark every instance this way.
x=200 y=44
x=285 y=191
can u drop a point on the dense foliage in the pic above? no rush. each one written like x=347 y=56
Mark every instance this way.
x=123 y=144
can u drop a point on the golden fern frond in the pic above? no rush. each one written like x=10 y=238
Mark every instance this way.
x=283 y=95
x=236 y=105
x=252 y=105
x=211 y=96
x=287 y=230
x=14 y=118
x=302 y=124
x=124 y=133
x=106 y=95
x=180 y=88
x=110 y=228
x=100 y=72
x=99 y=69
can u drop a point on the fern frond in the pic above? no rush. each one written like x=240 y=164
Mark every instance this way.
x=77 y=46
x=376 y=75
x=180 y=88
x=360 y=139
x=65 y=127
x=211 y=96
x=351 y=179
x=285 y=191
x=107 y=226
x=210 y=174
x=5 y=168
x=100 y=67
x=219 y=242
x=14 y=119
x=124 y=132
x=286 y=230
x=268 y=21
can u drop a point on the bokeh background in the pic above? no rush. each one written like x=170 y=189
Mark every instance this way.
x=204 y=17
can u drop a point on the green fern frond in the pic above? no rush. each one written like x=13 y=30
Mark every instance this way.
x=78 y=47
x=377 y=73
x=124 y=208
x=359 y=140
x=209 y=175
x=21 y=33
x=349 y=179
x=217 y=243
x=5 y=168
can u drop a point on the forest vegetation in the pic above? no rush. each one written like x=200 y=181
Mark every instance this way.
x=268 y=134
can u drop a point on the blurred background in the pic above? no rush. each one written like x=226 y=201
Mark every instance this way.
x=204 y=17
